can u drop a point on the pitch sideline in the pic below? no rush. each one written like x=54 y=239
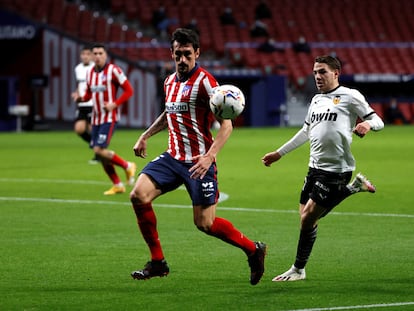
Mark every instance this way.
x=380 y=305
x=179 y=206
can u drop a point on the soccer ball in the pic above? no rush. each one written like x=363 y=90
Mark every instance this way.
x=227 y=101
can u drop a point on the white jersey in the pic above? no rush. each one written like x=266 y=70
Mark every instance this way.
x=80 y=73
x=329 y=124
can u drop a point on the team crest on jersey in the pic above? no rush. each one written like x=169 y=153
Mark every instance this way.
x=103 y=78
x=337 y=100
x=186 y=90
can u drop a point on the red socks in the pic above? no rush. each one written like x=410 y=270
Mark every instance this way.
x=117 y=160
x=224 y=230
x=147 y=223
x=110 y=171
x=221 y=228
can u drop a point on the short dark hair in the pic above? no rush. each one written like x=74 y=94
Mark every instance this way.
x=98 y=46
x=185 y=36
x=331 y=61
x=86 y=48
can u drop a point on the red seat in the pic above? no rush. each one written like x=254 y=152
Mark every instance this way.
x=71 y=19
x=406 y=110
x=379 y=109
x=101 y=29
x=86 y=25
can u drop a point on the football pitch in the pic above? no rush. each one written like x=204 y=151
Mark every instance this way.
x=66 y=246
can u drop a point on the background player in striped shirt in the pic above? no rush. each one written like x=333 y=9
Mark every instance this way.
x=82 y=124
x=329 y=125
x=189 y=160
x=103 y=82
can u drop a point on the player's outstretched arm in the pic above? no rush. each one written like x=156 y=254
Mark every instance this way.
x=140 y=147
x=297 y=140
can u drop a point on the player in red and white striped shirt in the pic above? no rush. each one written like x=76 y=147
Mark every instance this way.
x=189 y=160
x=103 y=82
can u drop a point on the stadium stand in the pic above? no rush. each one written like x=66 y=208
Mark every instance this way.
x=370 y=36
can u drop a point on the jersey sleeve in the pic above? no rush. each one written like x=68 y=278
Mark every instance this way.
x=119 y=75
x=360 y=105
x=209 y=83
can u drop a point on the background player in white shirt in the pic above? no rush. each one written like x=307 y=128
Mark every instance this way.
x=329 y=125
x=82 y=124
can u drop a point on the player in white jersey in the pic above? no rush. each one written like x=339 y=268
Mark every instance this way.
x=189 y=160
x=329 y=125
x=82 y=124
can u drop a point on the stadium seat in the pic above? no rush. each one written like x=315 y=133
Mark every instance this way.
x=71 y=19
x=379 y=109
x=56 y=11
x=101 y=29
x=86 y=25
x=406 y=110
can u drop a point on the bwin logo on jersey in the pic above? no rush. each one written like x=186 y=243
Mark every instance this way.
x=324 y=116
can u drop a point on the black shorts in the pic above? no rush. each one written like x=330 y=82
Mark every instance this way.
x=84 y=113
x=327 y=189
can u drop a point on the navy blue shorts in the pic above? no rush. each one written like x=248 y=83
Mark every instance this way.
x=168 y=174
x=102 y=134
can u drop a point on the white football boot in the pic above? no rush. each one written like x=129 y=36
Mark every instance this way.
x=361 y=184
x=293 y=274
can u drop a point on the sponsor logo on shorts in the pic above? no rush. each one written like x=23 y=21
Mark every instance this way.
x=102 y=138
x=208 y=189
x=322 y=186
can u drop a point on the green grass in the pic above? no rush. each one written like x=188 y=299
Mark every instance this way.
x=65 y=246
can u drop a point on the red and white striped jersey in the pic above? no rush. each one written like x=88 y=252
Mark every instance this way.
x=188 y=113
x=102 y=87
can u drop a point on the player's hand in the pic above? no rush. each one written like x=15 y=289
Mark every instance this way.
x=362 y=128
x=271 y=157
x=109 y=106
x=200 y=169
x=75 y=96
x=140 y=148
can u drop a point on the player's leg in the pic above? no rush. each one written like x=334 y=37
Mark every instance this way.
x=207 y=222
x=309 y=213
x=129 y=167
x=142 y=195
x=99 y=143
x=360 y=184
x=81 y=128
x=110 y=158
x=156 y=178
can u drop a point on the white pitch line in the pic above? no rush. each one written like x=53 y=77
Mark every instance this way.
x=57 y=181
x=380 y=305
x=238 y=209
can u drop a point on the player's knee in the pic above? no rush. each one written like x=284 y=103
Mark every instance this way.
x=203 y=226
x=205 y=229
x=135 y=197
x=138 y=197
